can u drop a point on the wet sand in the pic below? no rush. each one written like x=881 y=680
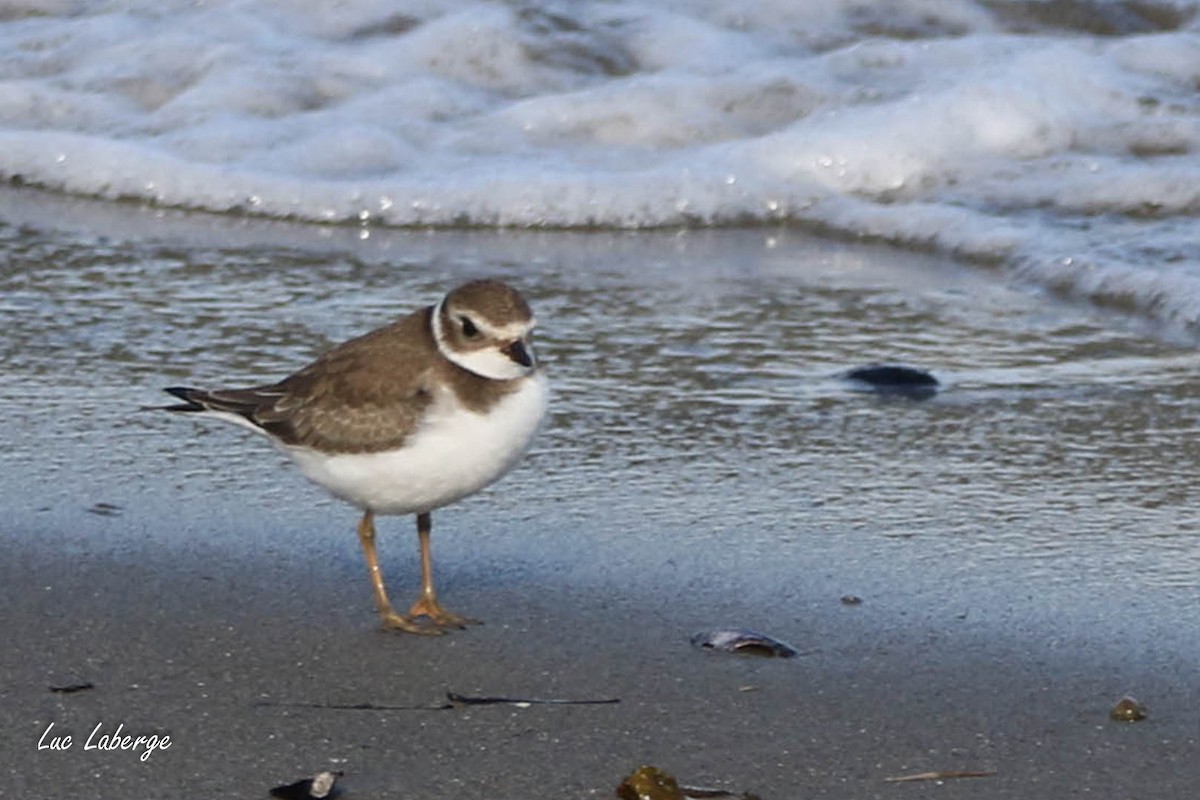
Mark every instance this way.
x=1024 y=544
x=193 y=650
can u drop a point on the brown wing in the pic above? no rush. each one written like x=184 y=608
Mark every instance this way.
x=365 y=395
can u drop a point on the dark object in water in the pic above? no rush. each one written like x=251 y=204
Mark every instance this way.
x=318 y=787
x=742 y=641
x=1127 y=710
x=895 y=380
x=851 y=600
x=649 y=783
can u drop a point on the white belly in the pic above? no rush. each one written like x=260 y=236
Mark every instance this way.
x=455 y=453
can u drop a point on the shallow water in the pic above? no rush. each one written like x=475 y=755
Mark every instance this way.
x=698 y=431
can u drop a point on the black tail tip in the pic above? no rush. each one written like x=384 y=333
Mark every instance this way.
x=182 y=392
x=187 y=395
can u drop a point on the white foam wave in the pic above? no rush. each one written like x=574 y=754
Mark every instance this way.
x=980 y=128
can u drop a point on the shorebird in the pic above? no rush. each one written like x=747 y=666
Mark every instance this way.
x=405 y=419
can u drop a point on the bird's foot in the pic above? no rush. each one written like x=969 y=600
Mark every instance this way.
x=408 y=624
x=430 y=609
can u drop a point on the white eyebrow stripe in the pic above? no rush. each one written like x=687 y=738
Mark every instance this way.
x=513 y=330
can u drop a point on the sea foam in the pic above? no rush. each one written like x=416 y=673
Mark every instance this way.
x=1060 y=144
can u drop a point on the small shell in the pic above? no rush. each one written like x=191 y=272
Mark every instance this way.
x=318 y=787
x=322 y=784
x=743 y=641
x=1127 y=710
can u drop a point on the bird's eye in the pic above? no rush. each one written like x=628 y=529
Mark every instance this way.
x=469 y=329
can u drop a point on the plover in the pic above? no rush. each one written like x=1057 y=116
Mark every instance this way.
x=405 y=419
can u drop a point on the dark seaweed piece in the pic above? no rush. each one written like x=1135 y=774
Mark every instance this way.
x=744 y=642
x=699 y=792
x=72 y=688
x=466 y=700
x=453 y=700
x=354 y=706
x=941 y=775
x=894 y=380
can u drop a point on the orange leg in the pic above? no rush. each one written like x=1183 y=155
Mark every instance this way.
x=427 y=604
x=387 y=615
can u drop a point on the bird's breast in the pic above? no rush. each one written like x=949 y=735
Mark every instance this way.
x=454 y=452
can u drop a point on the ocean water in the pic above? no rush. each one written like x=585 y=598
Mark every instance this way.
x=1053 y=140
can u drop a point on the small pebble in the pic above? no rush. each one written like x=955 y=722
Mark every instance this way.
x=1127 y=710
x=649 y=783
